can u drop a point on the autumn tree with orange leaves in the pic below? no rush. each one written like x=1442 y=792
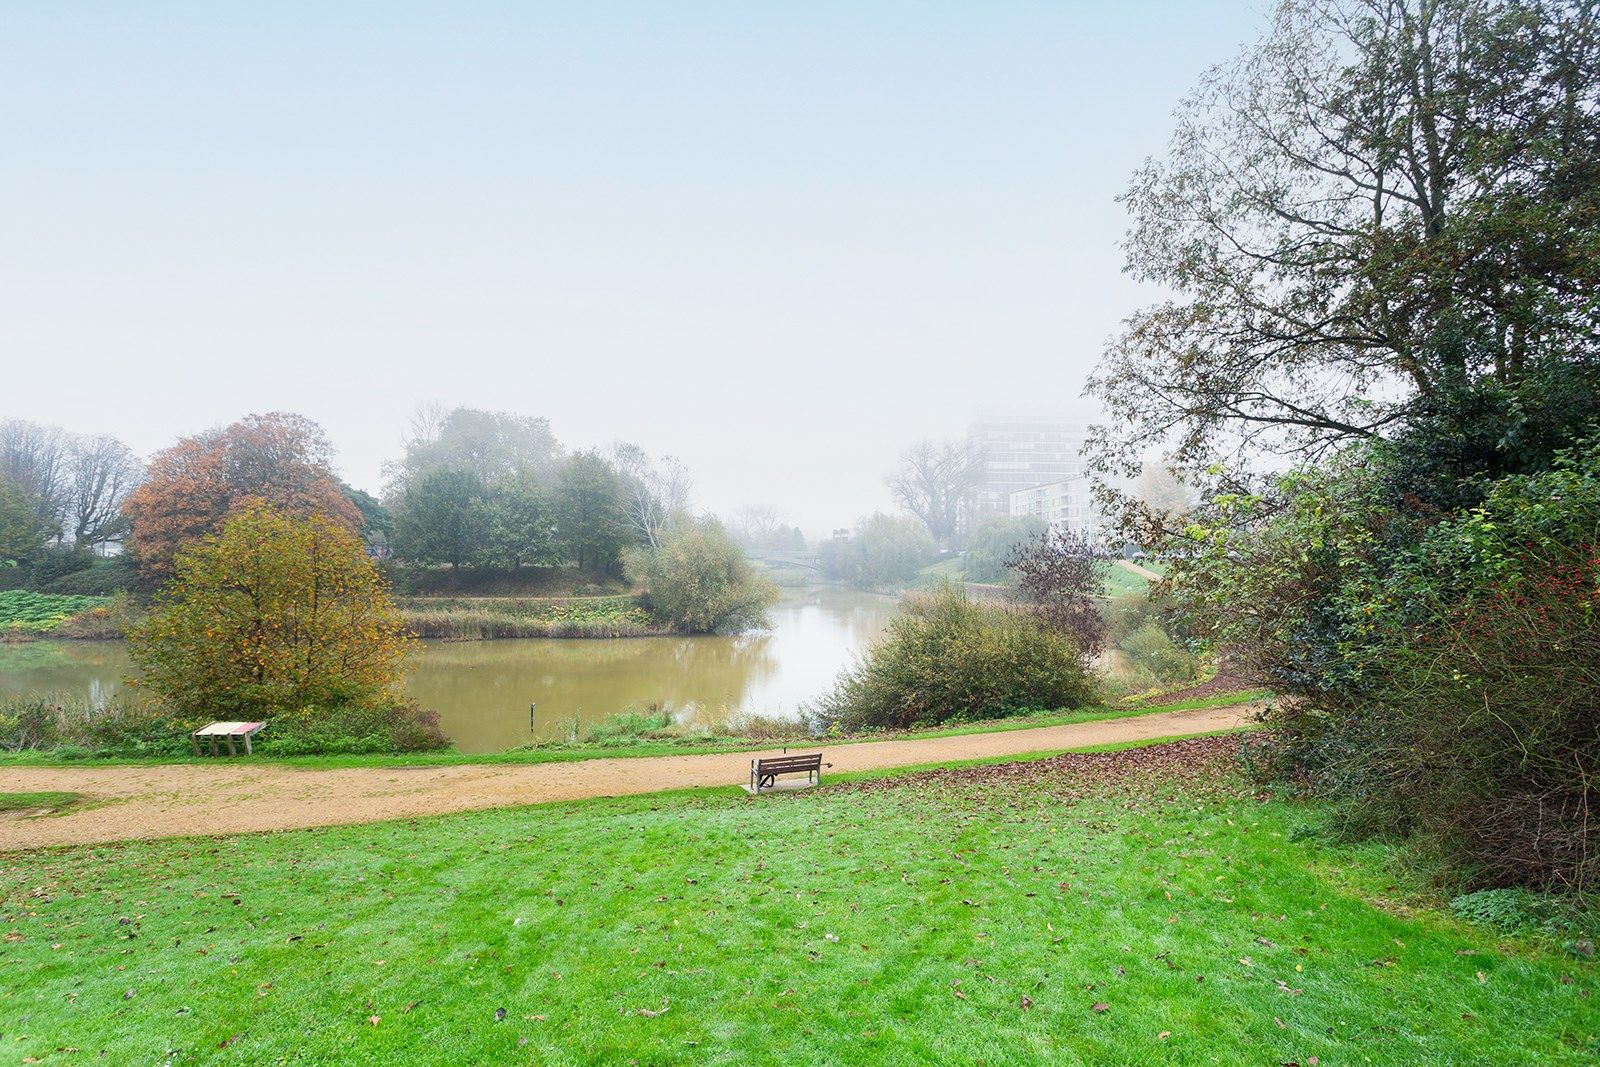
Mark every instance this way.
x=275 y=613
x=192 y=487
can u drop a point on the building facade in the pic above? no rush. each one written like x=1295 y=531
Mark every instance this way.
x=1066 y=504
x=1018 y=452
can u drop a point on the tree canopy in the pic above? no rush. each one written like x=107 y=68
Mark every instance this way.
x=1381 y=205
x=192 y=487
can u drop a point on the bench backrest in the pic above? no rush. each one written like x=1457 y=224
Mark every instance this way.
x=789 y=764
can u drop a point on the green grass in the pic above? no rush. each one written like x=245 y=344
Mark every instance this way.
x=1122 y=582
x=944 y=920
x=640 y=744
x=53 y=802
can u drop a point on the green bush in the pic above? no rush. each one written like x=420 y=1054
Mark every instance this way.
x=1152 y=653
x=946 y=658
x=390 y=726
x=104 y=578
x=1442 y=670
x=698 y=581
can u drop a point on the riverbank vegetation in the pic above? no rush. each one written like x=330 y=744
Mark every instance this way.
x=490 y=618
x=1377 y=226
x=1123 y=907
x=697 y=580
x=945 y=656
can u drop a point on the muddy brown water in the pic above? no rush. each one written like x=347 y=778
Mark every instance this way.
x=482 y=690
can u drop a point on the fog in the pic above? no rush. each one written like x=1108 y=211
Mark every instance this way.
x=780 y=243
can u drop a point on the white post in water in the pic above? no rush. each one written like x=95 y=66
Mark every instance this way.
x=531 y=707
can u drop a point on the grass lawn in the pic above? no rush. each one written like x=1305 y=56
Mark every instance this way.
x=52 y=802
x=1127 y=908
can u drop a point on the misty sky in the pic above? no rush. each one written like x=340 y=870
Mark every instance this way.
x=780 y=241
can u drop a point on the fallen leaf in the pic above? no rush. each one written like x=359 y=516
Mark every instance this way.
x=1026 y=1002
x=374 y=1019
x=1100 y=1007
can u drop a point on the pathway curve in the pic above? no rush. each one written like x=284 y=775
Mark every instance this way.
x=170 y=800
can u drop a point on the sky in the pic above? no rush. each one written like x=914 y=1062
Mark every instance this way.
x=780 y=241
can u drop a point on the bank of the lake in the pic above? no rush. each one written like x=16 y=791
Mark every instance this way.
x=483 y=690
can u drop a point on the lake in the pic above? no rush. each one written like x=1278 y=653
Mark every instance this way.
x=482 y=689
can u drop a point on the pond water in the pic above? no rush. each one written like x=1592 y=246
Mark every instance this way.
x=482 y=689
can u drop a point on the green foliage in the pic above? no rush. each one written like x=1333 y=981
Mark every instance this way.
x=132 y=727
x=105 y=578
x=945 y=658
x=349 y=728
x=22 y=531
x=993 y=540
x=442 y=519
x=1443 y=670
x=488 y=618
x=1515 y=911
x=589 y=512
x=41 y=612
x=1150 y=651
x=377 y=523
x=520 y=529
x=885 y=552
x=698 y=580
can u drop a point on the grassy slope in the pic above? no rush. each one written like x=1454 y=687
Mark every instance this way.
x=642 y=746
x=900 y=925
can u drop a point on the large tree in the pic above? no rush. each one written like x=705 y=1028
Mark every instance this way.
x=934 y=482
x=281 y=458
x=443 y=518
x=490 y=444
x=590 y=512
x=1381 y=206
x=273 y=613
x=21 y=529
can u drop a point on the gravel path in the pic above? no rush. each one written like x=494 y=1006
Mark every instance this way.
x=236 y=797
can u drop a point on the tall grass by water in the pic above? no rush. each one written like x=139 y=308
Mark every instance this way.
x=492 y=618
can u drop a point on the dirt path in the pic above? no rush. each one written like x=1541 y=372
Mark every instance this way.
x=177 y=799
x=1143 y=572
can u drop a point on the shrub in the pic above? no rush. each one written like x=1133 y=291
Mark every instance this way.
x=386 y=726
x=1151 y=652
x=885 y=552
x=698 y=580
x=105 y=578
x=948 y=658
x=1442 y=671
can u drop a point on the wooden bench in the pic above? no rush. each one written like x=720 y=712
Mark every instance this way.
x=764 y=772
x=229 y=731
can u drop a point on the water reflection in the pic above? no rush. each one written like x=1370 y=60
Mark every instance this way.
x=482 y=689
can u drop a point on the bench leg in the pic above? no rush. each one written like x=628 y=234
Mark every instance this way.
x=247 y=750
x=213 y=744
x=231 y=750
x=195 y=741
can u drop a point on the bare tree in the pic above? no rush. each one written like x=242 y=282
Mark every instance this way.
x=100 y=472
x=34 y=458
x=934 y=482
x=654 y=494
x=760 y=525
